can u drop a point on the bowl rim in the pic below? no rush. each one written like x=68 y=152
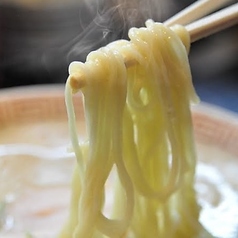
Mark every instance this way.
x=211 y=123
x=47 y=90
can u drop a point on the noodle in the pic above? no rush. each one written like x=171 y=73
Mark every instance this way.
x=139 y=125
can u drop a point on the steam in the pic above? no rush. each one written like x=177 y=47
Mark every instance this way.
x=39 y=44
x=104 y=21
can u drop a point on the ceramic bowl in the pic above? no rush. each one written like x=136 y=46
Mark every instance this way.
x=36 y=167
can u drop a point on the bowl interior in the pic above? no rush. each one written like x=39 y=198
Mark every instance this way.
x=37 y=168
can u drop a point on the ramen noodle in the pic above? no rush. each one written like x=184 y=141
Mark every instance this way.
x=137 y=95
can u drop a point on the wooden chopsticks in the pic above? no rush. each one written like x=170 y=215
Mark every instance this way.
x=208 y=25
x=214 y=23
x=196 y=11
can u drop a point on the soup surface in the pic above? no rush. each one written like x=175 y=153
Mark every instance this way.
x=36 y=164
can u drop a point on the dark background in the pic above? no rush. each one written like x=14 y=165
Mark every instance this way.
x=38 y=40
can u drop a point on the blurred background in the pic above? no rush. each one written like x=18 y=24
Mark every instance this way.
x=39 y=39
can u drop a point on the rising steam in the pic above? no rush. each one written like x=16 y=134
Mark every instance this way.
x=38 y=44
x=104 y=21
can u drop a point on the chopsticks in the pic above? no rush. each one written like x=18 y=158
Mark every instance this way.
x=196 y=11
x=214 y=23
x=199 y=29
x=208 y=25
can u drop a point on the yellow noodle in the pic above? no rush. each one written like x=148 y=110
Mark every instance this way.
x=138 y=121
